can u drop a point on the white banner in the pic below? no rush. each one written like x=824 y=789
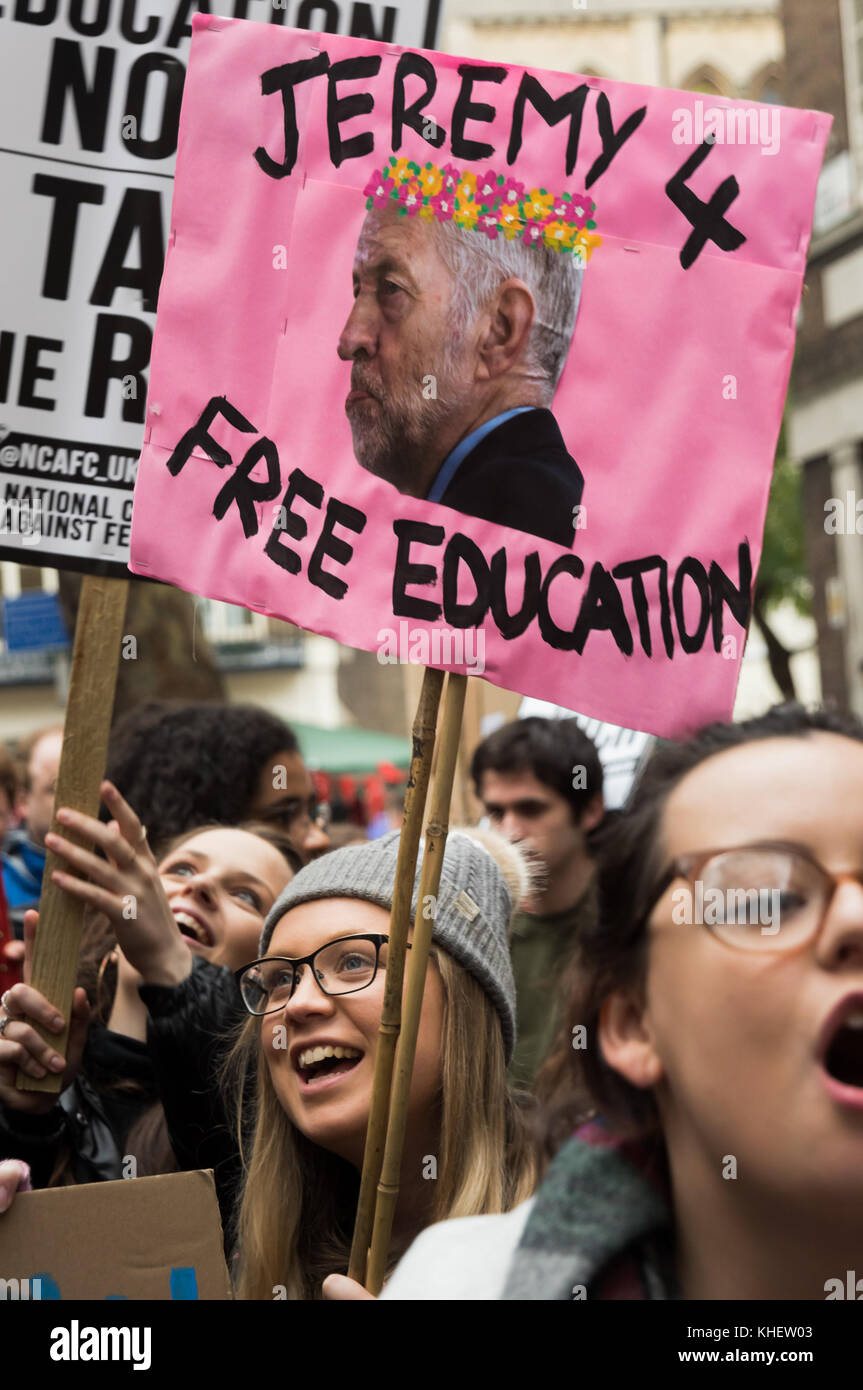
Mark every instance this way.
x=90 y=94
x=622 y=752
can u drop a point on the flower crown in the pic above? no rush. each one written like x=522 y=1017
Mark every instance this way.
x=495 y=204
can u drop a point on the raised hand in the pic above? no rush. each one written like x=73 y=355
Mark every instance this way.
x=125 y=886
x=20 y=1044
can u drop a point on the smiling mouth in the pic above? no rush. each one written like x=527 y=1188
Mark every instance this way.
x=195 y=930
x=318 y=1062
x=843 y=1060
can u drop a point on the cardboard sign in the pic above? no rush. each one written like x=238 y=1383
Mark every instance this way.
x=89 y=110
x=139 y=1238
x=564 y=492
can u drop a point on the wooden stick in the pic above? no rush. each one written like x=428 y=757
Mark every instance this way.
x=96 y=656
x=424 y=725
x=435 y=844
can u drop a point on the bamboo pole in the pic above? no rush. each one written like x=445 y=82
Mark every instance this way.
x=435 y=844
x=423 y=732
x=95 y=659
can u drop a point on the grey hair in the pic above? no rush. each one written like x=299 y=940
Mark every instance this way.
x=478 y=266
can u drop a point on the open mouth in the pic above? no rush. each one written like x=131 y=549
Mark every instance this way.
x=843 y=1059
x=193 y=929
x=315 y=1063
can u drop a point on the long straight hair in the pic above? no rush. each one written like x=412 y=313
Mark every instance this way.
x=295 y=1219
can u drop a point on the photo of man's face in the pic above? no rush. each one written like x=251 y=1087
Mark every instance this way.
x=411 y=383
x=457 y=341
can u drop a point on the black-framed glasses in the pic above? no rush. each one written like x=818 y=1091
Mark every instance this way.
x=772 y=895
x=340 y=967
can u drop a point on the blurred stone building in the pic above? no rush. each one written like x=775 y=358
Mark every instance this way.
x=824 y=71
x=730 y=48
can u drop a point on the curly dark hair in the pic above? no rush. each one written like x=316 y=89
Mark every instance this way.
x=612 y=952
x=182 y=764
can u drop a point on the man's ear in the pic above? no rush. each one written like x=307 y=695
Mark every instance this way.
x=592 y=814
x=626 y=1040
x=504 y=342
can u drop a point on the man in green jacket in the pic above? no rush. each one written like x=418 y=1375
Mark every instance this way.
x=540 y=781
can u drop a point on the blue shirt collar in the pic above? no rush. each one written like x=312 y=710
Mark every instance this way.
x=451 y=463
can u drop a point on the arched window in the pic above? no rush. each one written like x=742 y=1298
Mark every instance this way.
x=767 y=84
x=710 y=81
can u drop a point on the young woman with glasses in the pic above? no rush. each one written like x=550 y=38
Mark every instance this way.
x=315 y=1001
x=716 y=1016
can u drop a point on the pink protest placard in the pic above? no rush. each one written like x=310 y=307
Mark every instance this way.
x=474 y=365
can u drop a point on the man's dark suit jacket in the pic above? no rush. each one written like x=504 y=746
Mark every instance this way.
x=520 y=475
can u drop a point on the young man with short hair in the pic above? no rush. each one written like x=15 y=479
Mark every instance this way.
x=540 y=781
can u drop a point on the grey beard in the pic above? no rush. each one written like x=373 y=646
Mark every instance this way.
x=400 y=451
x=398 y=460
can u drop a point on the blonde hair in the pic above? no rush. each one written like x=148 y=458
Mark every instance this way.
x=296 y=1216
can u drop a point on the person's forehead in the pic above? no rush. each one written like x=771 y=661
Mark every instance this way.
x=518 y=785
x=310 y=925
x=806 y=789
x=222 y=844
x=388 y=242
x=231 y=851
x=45 y=755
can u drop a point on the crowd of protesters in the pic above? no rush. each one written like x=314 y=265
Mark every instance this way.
x=614 y=1096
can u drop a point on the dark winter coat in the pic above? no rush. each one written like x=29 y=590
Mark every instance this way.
x=521 y=475
x=186 y=1039
x=92 y=1118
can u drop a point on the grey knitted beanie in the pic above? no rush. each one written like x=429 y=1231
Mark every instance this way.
x=473 y=906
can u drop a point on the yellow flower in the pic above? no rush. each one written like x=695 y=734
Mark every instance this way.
x=510 y=222
x=466 y=189
x=586 y=243
x=401 y=171
x=430 y=181
x=537 y=205
x=561 y=235
x=466 y=216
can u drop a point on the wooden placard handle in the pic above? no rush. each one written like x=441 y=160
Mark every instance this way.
x=424 y=727
x=437 y=827
x=95 y=659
